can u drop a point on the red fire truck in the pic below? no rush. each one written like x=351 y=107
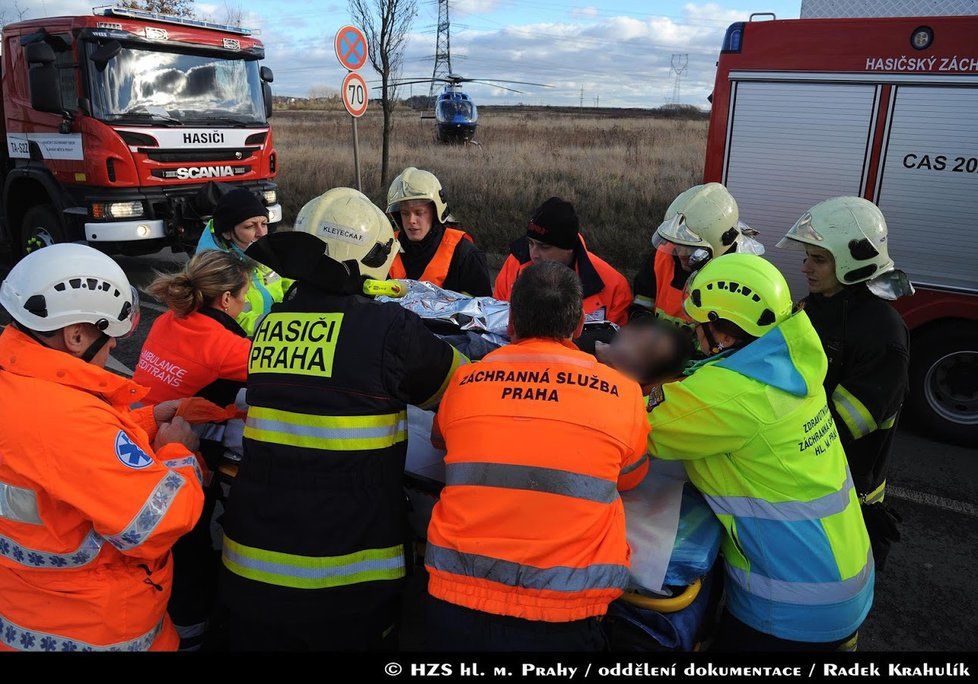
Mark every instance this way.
x=881 y=108
x=115 y=123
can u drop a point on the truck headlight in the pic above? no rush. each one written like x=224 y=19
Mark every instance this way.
x=104 y=210
x=269 y=196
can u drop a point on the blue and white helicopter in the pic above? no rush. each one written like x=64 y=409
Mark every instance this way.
x=456 y=116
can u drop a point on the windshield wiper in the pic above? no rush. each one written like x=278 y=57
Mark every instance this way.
x=146 y=115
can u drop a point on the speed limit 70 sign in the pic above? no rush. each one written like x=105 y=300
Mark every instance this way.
x=354 y=91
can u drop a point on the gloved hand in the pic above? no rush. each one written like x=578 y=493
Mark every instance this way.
x=177 y=431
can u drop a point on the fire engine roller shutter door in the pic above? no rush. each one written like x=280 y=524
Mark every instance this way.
x=793 y=145
x=929 y=187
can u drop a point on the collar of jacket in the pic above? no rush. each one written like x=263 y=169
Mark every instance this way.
x=542 y=344
x=225 y=320
x=591 y=282
x=429 y=243
x=21 y=355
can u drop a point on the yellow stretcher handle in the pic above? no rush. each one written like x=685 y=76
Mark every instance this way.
x=672 y=604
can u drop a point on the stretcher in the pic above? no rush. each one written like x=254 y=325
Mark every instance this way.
x=673 y=534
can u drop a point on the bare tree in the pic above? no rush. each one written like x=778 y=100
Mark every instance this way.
x=7 y=16
x=178 y=8
x=386 y=24
x=234 y=13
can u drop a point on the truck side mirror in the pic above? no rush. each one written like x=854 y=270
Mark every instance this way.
x=266 y=74
x=45 y=87
x=266 y=94
x=39 y=53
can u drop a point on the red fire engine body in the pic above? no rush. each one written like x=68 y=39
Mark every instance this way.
x=116 y=122
x=881 y=108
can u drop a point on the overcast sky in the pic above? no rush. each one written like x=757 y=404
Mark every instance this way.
x=618 y=50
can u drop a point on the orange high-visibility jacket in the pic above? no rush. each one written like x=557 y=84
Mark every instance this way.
x=88 y=512
x=437 y=269
x=540 y=439
x=606 y=291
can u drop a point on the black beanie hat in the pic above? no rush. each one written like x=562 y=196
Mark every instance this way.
x=555 y=223
x=235 y=207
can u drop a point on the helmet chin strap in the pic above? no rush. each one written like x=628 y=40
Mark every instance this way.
x=95 y=347
x=715 y=347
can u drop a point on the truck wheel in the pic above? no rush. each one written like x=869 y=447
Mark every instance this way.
x=41 y=227
x=944 y=382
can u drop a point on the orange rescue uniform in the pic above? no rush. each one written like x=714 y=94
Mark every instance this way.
x=607 y=294
x=437 y=269
x=540 y=439
x=88 y=512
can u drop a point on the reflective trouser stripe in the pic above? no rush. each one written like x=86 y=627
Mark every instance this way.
x=150 y=514
x=458 y=360
x=802 y=593
x=644 y=302
x=329 y=433
x=632 y=467
x=26 y=639
x=313 y=572
x=889 y=422
x=19 y=504
x=546 y=480
x=557 y=578
x=874 y=496
x=750 y=507
x=853 y=413
x=850 y=645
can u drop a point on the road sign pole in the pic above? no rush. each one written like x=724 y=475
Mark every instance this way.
x=356 y=153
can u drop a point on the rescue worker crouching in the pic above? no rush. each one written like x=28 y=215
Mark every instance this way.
x=239 y=220
x=703 y=222
x=433 y=251
x=315 y=529
x=850 y=274
x=198 y=349
x=553 y=234
x=752 y=426
x=526 y=546
x=95 y=494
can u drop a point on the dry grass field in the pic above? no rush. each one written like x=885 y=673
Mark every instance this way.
x=620 y=173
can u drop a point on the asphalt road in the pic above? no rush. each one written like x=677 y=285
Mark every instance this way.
x=926 y=598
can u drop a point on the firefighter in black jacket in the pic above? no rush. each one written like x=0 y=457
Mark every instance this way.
x=315 y=530
x=849 y=274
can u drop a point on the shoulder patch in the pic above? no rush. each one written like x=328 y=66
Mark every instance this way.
x=656 y=397
x=129 y=453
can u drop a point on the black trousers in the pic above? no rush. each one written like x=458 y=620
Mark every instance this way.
x=364 y=632
x=195 y=570
x=733 y=636
x=454 y=628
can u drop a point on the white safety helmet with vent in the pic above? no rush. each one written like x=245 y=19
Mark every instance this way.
x=706 y=217
x=854 y=231
x=67 y=284
x=353 y=228
x=417 y=184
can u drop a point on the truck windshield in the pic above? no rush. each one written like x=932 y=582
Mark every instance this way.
x=177 y=88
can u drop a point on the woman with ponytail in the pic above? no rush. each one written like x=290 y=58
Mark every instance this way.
x=198 y=349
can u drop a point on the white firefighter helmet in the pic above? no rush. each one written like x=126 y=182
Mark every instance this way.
x=854 y=231
x=706 y=217
x=66 y=284
x=416 y=184
x=353 y=228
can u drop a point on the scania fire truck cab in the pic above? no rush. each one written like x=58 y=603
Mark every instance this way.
x=117 y=122
x=880 y=108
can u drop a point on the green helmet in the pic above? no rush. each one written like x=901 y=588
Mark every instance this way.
x=854 y=231
x=744 y=289
x=706 y=217
x=416 y=184
x=353 y=228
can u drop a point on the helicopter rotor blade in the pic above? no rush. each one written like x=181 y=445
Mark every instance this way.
x=495 y=85
x=499 y=80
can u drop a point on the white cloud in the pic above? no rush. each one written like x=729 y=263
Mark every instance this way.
x=579 y=12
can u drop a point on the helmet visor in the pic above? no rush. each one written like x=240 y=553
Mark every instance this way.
x=130 y=315
x=676 y=230
x=689 y=258
x=746 y=244
x=891 y=285
x=800 y=234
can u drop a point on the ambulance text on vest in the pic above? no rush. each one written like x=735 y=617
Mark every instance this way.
x=296 y=344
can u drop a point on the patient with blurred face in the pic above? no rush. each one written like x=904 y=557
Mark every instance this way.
x=646 y=350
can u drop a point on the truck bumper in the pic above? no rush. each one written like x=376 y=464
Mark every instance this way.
x=125 y=231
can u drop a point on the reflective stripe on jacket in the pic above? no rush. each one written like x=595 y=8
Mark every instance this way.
x=267 y=287
x=759 y=441
x=540 y=438
x=88 y=512
x=437 y=269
